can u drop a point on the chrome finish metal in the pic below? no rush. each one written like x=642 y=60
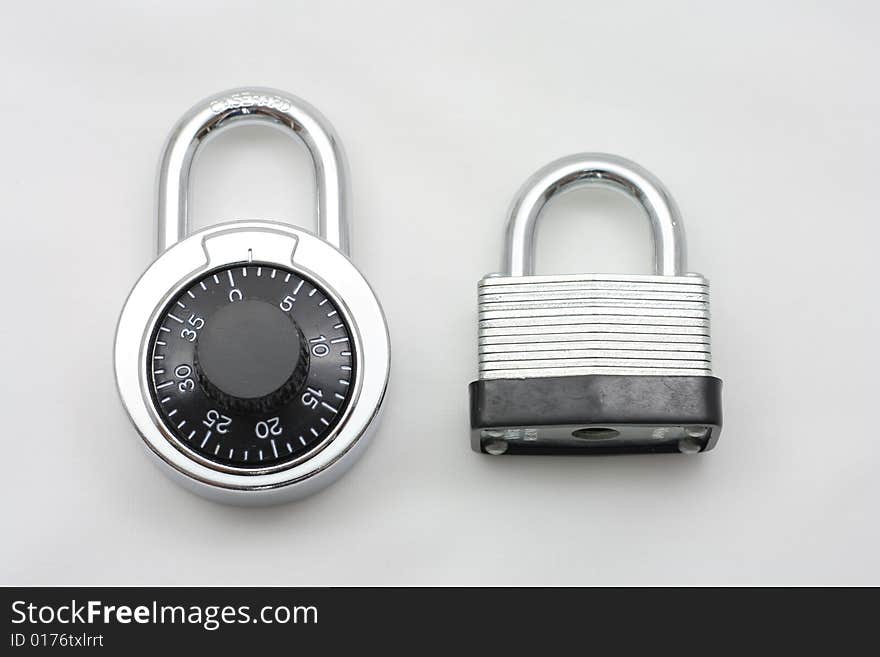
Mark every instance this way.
x=183 y=258
x=266 y=242
x=593 y=324
x=561 y=435
x=594 y=169
x=534 y=326
x=579 y=341
x=250 y=105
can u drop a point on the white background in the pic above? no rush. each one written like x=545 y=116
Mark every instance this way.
x=761 y=117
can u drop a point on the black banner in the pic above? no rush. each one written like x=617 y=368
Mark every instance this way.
x=232 y=620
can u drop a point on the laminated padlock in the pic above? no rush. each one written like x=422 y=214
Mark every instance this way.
x=252 y=356
x=594 y=363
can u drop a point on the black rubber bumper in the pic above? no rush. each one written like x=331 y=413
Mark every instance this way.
x=597 y=400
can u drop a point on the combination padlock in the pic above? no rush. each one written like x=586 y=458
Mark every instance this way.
x=594 y=363
x=252 y=356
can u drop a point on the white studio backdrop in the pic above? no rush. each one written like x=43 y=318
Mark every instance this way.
x=761 y=118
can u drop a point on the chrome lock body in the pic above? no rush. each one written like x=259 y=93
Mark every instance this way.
x=594 y=363
x=252 y=356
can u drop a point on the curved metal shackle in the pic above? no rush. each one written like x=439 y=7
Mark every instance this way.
x=253 y=105
x=594 y=169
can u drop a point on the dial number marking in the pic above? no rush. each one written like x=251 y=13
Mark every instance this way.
x=319 y=346
x=217 y=421
x=266 y=428
x=312 y=398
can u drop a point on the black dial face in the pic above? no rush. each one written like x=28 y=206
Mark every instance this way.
x=251 y=366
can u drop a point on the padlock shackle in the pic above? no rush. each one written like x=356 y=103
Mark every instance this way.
x=253 y=105
x=594 y=169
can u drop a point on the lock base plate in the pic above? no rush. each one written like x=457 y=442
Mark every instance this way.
x=595 y=414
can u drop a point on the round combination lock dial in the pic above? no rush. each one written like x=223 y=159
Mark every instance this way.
x=252 y=366
x=252 y=356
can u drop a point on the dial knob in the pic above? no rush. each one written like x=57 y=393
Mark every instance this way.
x=251 y=356
x=252 y=367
